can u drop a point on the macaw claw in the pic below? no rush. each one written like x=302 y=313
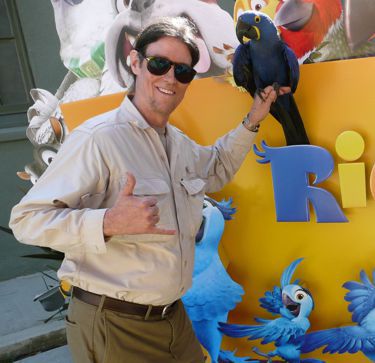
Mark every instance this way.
x=276 y=87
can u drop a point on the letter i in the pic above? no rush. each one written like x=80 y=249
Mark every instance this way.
x=350 y=146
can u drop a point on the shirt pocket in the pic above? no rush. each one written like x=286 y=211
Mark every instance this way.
x=159 y=189
x=195 y=191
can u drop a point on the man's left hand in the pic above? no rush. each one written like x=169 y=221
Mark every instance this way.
x=262 y=104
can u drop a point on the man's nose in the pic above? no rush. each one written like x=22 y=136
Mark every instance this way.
x=169 y=76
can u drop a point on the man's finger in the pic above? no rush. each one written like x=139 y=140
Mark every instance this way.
x=154 y=220
x=273 y=96
x=154 y=210
x=149 y=201
x=268 y=90
x=284 y=90
x=130 y=184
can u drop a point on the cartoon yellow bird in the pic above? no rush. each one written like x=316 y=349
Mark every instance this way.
x=265 y=6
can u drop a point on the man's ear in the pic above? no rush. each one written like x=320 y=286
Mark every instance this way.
x=135 y=62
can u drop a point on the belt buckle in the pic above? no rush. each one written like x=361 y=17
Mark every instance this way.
x=165 y=310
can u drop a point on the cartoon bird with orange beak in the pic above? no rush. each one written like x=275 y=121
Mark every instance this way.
x=304 y=24
x=319 y=30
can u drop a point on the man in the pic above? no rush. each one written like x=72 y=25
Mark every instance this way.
x=123 y=200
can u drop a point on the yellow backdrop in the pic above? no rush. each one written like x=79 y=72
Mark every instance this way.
x=333 y=97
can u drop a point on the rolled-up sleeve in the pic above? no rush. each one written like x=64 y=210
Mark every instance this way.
x=52 y=214
x=218 y=163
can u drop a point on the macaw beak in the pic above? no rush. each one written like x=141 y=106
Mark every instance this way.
x=292 y=306
x=294 y=14
x=246 y=32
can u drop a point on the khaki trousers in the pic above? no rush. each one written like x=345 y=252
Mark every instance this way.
x=104 y=336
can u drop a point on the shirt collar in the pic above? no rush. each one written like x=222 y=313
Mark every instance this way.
x=130 y=113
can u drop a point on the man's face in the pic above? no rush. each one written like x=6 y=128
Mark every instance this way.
x=156 y=97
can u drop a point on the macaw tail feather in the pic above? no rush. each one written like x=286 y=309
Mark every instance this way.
x=285 y=111
x=226 y=356
x=311 y=360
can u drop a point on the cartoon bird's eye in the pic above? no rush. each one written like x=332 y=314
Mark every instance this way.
x=240 y=11
x=208 y=202
x=257 y=19
x=300 y=295
x=258 y=5
x=48 y=156
x=33 y=179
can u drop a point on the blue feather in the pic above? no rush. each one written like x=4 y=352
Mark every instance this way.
x=272 y=301
x=350 y=339
x=288 y=273
x=366 y=280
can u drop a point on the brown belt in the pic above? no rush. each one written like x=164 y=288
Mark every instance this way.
x=123 y=306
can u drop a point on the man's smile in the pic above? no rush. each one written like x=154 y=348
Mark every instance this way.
x=165 y=91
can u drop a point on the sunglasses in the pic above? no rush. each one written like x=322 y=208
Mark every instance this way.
x=160 y=65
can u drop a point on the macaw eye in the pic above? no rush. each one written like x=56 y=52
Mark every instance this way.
x=300 y=295
x=257 y=19
x=258 y=5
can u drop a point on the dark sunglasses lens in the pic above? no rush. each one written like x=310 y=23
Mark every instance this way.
x=184 y=73
x=158 y=66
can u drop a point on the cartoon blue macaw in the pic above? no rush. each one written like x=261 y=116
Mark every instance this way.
x=263 y=59
x=213 y=293
x=294 y=303
x=355 y=338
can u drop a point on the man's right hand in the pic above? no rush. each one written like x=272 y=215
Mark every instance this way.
x=132 y=214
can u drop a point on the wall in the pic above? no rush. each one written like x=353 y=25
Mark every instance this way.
x=42 y=45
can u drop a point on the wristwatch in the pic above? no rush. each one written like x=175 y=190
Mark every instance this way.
x=246 y=123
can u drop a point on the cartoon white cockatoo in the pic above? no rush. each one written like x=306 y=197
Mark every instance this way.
x=84 y=25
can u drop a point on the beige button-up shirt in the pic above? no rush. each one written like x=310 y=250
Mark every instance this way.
x=65 y=209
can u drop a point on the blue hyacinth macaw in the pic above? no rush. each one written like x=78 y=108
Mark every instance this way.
x=263 y=59
x=355 y=338
x=213 y=293
x=294 y=304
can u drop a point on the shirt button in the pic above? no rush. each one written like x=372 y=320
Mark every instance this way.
x=182 y=289
x=185 y=263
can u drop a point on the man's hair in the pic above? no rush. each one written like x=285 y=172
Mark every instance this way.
x=176 y=27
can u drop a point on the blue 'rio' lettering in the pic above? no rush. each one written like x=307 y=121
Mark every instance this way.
x=291 y=166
